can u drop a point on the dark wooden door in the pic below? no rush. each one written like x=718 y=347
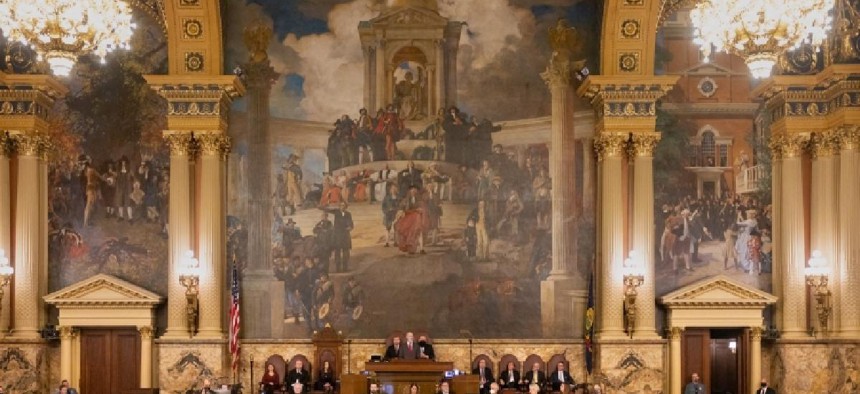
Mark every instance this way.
x=110 y=360
x=727 y=362
x=695 y=356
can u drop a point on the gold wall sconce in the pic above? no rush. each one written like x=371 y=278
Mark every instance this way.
x=634 y=277
x=6 y=272
x=189 y=277
x=817 y=276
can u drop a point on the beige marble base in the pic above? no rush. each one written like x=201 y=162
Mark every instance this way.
x=816 y=367
x=184 y=364
x=25 y=366
x=631 y=366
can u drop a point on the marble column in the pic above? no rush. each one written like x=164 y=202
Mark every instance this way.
x=381 y=80
x=440 y=76
x=675 y=366
x=28 y=235
x=5 y=226
x=823 y=211
x=792 y=237
x=66 y=338
x=211 y=230
x=755 y=359
x=642 y=149
x=610 y=233
x=588 y=176
x=368 y=78
x=179 y=227
x=849 y=231
x=145 y=357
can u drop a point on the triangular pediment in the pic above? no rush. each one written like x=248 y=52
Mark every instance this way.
x=410 y=16
x=708 y=69
x=103 y=290
x=718 y=291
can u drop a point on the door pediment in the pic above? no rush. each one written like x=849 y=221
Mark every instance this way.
x=717 y=302
x=411 y=17
x=103 y=290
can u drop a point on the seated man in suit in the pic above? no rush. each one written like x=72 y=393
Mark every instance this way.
x=410 y=350
x=535 y=376
x=65 y=385
x=425 y=349
x=393 y=351
x=485 y=375
x=298 y=375
x=560 y=377
x=510 y=377
x=444 y=387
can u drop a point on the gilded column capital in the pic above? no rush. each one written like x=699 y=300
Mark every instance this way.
x=180 y=143
x=675 y=333
x=30 y=144
x=557 y=74
x=755 y=333
x=66 y=333
x=643 y=145
x=5 y=144
x=211 y=144
x=785 y=146
x=848 y=137
x=145 y=332
x=823 y=144
x=609 y=145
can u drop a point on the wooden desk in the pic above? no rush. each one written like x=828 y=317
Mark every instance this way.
x=395 y=377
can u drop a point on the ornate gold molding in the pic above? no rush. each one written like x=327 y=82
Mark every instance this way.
x=849 y=137
x=785 y=146
x=31 y=144
x=557 y=74
x=67 y=332
x=643 y=145
x=145 y=332
x=755 y=333
x=5 y=144
x=180 y=143
x=609 y=145
x=823 y=144
x=211 y=144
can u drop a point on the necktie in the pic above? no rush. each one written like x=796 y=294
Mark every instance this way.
x=410 y=346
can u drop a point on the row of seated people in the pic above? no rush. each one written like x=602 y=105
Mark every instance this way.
x=293 y=377
x=558 y=379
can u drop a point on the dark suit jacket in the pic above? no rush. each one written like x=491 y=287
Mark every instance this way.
x=304 y=377
x=505 y=379
x=406 y=354
x=768 y=390
x=342 y=226
x=556 y=383
x=428 y=350
x=392 y=353
x=529 y=378
x=488 y=376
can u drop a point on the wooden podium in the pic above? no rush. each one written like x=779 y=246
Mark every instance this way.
x=395 y=377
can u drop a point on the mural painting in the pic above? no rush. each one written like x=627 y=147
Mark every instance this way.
x=395 y=202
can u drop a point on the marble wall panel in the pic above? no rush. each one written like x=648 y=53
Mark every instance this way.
x=816 y=367
x=24 y=367
x=631 y=367
x=182 y=366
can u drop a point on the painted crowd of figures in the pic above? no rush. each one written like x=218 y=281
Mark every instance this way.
x=457 y=138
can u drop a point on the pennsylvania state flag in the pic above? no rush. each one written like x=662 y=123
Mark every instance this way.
x=589 y=327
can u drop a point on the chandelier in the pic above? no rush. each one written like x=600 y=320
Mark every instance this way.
x=760 y=31
x=61 y=30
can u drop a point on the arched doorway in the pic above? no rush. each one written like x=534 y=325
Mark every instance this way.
x=411 y=95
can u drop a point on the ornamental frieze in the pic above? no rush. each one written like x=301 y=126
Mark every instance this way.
x=630 y=109
x=193 y=108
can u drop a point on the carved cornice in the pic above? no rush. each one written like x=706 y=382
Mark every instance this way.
x=609 y=145
x=180 y=143
x=197 y=102
x=643 y=145
x=785 y=146
x=716 y=293
x=211 y=144
x=620 y=98
x=823 y=144
x=103 y=291
x=849 y=137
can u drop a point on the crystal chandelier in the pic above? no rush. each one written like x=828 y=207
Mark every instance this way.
x=61 y=30
x=760 y=31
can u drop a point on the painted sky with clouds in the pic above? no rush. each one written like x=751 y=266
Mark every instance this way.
x=317 y=52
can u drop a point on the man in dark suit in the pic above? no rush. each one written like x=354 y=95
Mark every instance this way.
x=425 y=349
x=765 y=389
x=342 y=239
x=298 y=375
x=535 y=376
x=510 y=377
x=410 y=350
x=393 y=351
x=560 y=376
x=409 y=177
x=485 y=375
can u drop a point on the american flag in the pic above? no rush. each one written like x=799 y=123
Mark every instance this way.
x=234 y=318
